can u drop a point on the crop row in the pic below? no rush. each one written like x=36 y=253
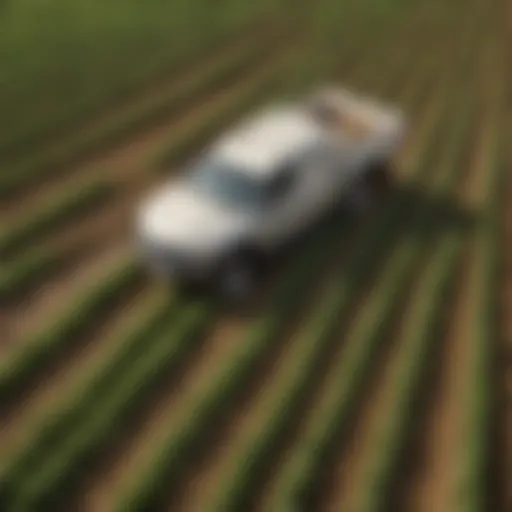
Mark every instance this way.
x=306 y=465
x=485 y=468
x=39 y=349
x=28 y=269
x=165 y=467
x=421 y=334
x=52 y=430
x=476 y=471
x=62 y=207
x=223 y=68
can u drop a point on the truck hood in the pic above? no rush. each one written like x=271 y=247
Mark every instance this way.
x=177 y=216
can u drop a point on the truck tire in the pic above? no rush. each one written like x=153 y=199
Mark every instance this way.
x=238 y=277
x=379 y=178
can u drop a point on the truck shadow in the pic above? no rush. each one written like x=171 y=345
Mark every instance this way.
x=426 y=216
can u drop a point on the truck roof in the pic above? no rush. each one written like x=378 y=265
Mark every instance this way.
x=268 y=139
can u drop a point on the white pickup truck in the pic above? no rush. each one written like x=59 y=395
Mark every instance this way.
x=265 y=181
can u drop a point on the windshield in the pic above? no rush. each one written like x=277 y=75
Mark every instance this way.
x=223 y=183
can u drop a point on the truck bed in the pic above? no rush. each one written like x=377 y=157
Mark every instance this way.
x=350 y=116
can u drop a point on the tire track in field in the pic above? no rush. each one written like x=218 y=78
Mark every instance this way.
x=432 y=477
x=345 y=477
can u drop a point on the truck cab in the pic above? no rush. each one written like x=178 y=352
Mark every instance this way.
x=262 y=183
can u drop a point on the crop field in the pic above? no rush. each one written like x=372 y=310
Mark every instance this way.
x=374 y=373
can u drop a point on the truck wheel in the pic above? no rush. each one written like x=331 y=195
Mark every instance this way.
x=238 y=278
x=379 y=178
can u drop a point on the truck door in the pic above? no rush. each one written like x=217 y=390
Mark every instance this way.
x=296 y=197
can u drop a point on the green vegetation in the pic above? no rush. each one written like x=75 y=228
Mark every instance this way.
x=63 y=208
x=81 y=80
x=27 y=270
x=84 y=57
x=161 y=104
x=36 y=352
